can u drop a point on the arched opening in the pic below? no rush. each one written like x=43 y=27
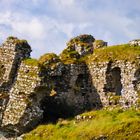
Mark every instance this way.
x=82 y=84
x=54 y=108
x=113 y=81
x=136 y=82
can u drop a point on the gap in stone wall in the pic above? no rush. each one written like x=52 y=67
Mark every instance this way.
x=113 y=80
x=81 y=84
x=136 y=82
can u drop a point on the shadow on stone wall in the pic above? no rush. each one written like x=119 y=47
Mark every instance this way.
x=72 y=94
x=113 y=80
x=136 y=82
x=5 y=86
x=59 y=96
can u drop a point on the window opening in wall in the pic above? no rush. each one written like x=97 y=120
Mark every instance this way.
x=136 y=82
x=81 y=84
x=113 y=81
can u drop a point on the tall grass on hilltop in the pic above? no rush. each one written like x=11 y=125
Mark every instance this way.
x=118 y=52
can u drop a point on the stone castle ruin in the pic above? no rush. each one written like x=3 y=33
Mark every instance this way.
x=55 y=87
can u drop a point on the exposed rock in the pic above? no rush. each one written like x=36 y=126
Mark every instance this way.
x=99 y=44
x=49 y=60
x=78 y=47
x=135 y=42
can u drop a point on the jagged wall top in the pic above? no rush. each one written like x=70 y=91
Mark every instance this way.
x=79 y=47
x=17 y=45
x=12 y=52
x=82 y=44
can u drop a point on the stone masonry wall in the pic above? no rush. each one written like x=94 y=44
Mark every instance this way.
x=11 y=55
x=30 y=93
x=22 y=108
x=128 y=82
x=74 y=91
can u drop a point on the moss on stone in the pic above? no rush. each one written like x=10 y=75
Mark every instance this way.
x=77 y=48
x=68 y=56
x=49 y=60
x=30 y=68
x=114 y=99
x=73 y=57
x=11 y=38
x=81 y=40
x=48 y=57
x=16 y=40
x=22 y=43
x=85 y=38
x=31 y=62
x=29 y=73
x=99 y=43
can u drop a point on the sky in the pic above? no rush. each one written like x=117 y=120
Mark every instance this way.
x=48 y=24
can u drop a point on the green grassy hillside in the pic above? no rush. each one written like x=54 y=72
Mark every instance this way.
x=119 y=52
x=115 y=124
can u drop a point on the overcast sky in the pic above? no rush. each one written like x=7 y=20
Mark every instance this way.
x=48 y=24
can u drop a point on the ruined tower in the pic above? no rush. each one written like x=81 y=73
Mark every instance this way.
x=12 y=52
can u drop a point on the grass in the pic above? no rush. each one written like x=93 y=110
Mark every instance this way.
x=113 y=124
x=123 y=52
x=48 y=57
x=69 y=57
x=119 y=52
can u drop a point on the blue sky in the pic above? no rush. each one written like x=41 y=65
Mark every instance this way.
x=48 y=24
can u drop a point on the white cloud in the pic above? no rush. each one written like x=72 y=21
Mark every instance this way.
x=66 y=2
x=43 y=33
x=63 y=3
x=33 y=28
x=27 y=26
x=35 y=1
x=5 y=18
x=47 y=25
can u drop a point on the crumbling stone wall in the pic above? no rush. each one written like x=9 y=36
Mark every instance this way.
x=74 y=90
x=12 y=52
x=23 y=105
x=54 y=87
x=106 y=86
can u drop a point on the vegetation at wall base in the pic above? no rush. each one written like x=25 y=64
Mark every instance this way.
x=110 y=124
